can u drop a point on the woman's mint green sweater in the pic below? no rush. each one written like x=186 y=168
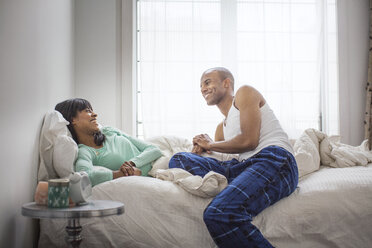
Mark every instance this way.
x=117 y=148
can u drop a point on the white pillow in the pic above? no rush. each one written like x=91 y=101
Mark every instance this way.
x=168 y=145
x=307 y=156
x=58 y=151
x=64 y=155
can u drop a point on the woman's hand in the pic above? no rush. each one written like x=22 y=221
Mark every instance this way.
x=137 y=172
x=117 y=174
x=129 y=169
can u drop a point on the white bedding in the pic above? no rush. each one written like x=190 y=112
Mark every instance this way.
x=331 y=207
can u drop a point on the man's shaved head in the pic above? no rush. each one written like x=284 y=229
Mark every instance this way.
x=223 y=74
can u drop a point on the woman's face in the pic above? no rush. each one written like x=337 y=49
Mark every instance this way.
x=85 y=121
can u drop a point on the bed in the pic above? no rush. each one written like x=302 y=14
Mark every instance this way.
x=331 y=207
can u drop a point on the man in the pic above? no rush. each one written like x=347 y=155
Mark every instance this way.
x=265 y=172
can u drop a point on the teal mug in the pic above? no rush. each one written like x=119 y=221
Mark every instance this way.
x=58 y=193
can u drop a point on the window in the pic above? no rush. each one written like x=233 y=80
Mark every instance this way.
x=284 y=48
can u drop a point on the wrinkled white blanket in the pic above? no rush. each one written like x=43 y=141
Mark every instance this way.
x=314 y=148
x=331 y=207
x=170 y=145
x=208 y=186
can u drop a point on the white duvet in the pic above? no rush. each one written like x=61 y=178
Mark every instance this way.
x=332 y=207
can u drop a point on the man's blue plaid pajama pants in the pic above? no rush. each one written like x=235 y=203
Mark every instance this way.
x=254 y=184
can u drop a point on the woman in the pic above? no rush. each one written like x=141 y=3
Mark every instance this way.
x=104 y=154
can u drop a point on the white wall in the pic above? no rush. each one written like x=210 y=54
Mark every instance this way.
x=98 y=57
x=36 y=72
x=353 y=46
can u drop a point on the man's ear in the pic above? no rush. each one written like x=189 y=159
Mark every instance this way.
x=226 y=82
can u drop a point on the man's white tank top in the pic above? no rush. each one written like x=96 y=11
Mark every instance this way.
x=271 y=133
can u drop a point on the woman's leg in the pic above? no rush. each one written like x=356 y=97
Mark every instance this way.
x=269 y=176
x=198 y=165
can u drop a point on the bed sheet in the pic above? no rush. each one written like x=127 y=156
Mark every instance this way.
x=331 y=207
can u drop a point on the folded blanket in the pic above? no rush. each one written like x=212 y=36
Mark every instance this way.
x=208 y=186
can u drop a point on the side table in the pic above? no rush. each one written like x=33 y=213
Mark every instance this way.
x=94 y=208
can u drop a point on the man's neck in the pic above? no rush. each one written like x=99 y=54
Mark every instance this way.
x=225 y=104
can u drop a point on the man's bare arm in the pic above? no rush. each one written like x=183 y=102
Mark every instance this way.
x=248 y=101
x=218 y=136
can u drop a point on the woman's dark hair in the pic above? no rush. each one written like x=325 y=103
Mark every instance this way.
x=69 y=109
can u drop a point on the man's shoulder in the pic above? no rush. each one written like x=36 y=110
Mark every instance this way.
x=247 y=91
x=247 y=94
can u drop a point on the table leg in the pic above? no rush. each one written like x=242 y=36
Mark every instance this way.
x=73 y=230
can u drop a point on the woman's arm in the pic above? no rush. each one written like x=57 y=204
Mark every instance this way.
x=97 y=174
x=129 y=169
x=148 y=153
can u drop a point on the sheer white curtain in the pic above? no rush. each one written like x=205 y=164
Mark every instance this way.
x=284 y=48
